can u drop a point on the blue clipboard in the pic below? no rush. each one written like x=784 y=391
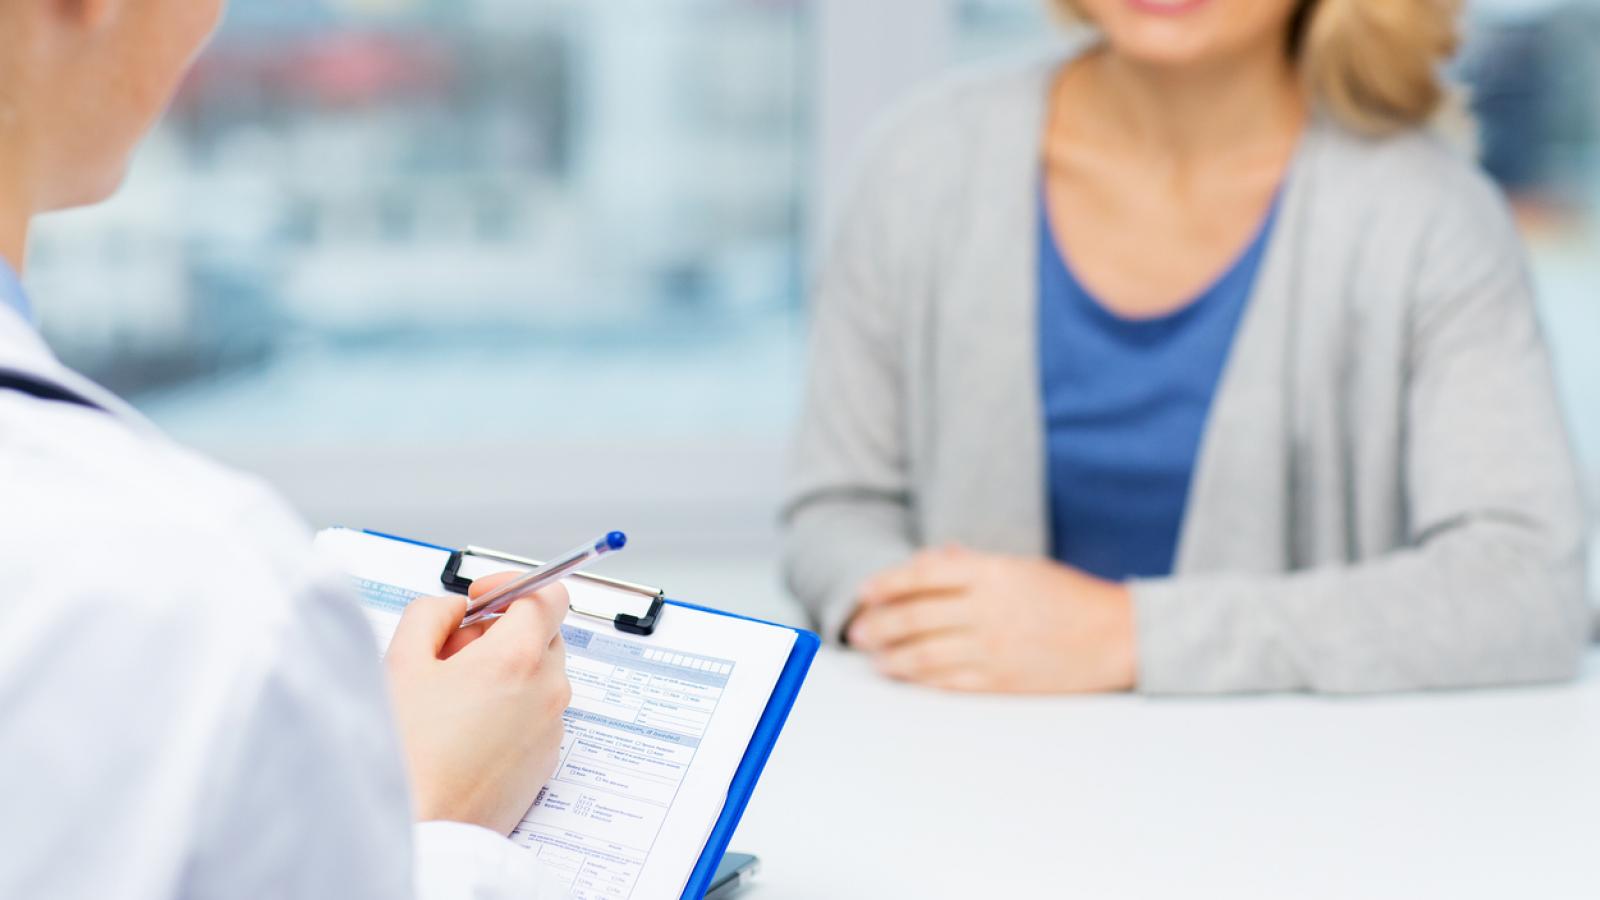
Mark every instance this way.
x=768 y=727
x=755 y=755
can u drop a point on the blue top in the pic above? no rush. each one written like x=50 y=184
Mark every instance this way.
x=1125 y=404
x=12 y=294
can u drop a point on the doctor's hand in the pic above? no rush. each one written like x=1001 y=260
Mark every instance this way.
x=479 y=708
x=955 y=619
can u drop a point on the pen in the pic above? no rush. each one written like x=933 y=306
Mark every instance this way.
x=497 y=600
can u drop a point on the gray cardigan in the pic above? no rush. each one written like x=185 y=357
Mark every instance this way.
x=1384 y=499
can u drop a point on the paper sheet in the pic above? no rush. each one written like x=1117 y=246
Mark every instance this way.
x=656 y=728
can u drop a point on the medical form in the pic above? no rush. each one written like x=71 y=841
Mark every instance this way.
x=655 y=730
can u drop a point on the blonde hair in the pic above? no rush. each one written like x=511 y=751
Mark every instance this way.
x=1373 y=64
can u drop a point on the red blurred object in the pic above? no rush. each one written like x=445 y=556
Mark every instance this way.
x=346 y=69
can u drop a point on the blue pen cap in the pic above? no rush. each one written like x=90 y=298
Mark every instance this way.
x=616 y=540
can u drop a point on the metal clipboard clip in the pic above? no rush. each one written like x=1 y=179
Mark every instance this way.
x=644 y=625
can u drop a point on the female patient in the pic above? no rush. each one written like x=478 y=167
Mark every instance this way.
x=1190 y=361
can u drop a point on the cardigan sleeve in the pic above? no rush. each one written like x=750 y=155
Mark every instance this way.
x=848 y=510
x=1489 y=586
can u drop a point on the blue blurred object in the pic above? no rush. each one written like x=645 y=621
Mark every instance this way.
x=1532 y=79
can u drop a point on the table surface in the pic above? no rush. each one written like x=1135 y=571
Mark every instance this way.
x=884 y=790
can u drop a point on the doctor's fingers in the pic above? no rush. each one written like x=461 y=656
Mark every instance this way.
x=548 y=607
x=425 y=626
x=550 y=602
x=524 y=664
x=487 y=583
x=877 y=627
x=461 y=637
x=527 y=632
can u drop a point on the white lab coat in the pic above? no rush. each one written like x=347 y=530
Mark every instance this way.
x=190 y=704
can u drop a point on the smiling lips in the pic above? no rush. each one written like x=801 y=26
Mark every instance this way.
x=1167 y=7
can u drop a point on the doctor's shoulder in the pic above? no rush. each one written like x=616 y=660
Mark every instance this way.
x=100 y=517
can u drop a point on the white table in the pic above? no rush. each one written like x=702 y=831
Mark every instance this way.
x=881 y=790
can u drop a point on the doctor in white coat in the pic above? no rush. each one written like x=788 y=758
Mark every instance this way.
x=190 y=706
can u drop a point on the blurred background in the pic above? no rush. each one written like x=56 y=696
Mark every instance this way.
x=513 y=272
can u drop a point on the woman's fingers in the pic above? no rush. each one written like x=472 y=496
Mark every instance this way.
x=932 y=572
x=878 y=627
x=930 y=659
x=969 y=680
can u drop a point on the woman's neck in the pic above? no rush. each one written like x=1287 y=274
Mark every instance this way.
x=1192 y=115
x=15 y=209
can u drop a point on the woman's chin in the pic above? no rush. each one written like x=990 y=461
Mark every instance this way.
x=1165 y=56
x=1164 y=47
x=1177 y=34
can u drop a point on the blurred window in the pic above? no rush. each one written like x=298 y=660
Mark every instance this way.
x=448 y=229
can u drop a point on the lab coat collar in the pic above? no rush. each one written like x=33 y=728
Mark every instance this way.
x=23 y=350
